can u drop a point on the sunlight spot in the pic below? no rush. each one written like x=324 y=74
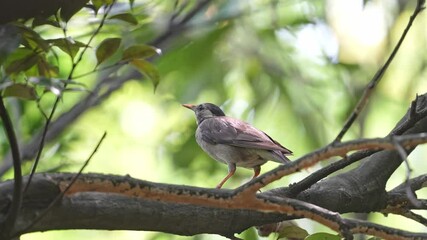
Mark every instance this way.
x=138 y=119
x=361 y=29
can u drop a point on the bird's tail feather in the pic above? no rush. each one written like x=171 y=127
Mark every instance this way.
x=279 y=157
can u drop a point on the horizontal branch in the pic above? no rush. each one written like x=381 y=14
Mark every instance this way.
x=338 y=149
x=414 y=115
x=113 y=202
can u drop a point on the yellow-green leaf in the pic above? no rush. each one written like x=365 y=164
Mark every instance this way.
x=148 y=70
x=20 y=91
x=323 y=236
x=69 y=8
x=126 y=17
x=31 y=39
x=99 y=3
x=140 y=51
x=22 y=64
x=293 y=231
x=46 y=69
x=107 y=48
x=68 y=45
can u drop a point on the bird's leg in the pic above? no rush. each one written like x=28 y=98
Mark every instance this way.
x=257 y=170
x=231 y=171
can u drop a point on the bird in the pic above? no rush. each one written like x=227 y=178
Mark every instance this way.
x=234 y=142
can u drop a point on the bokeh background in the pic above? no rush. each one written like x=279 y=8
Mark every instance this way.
x=292 y=68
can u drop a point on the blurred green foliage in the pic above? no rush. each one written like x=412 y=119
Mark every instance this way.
x=292 y=68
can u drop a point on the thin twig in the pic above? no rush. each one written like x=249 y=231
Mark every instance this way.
x=416 y=217
x=320 y=174
x=29 y=153
x=321 y=154
x=175 y=27
x=177 y=11
x=55 y=105
x=61 y=195
x=413 y=116
x=378 y=76
x=404 y=156
x=101 y=92
x=416 y=183
x=98 y=70
x=13 y=212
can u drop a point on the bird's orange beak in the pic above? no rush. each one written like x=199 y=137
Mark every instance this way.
x=189 y=106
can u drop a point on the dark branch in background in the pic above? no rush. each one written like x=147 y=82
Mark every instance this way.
x=377 y=77
x=101 y=92
x=404 y=156
x=61 y=195
x=416 y=217
x=84 y=207
x=415 y=183
x=398 y=202
x=55 y=105
x=8 y=223
x=412 y=117
x=367 y=180
x=381 y=168
x=73 y=206
x=29 y=150
x=176 y=27
x=409 y=141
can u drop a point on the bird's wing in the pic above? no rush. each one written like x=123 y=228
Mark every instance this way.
x=230 y=131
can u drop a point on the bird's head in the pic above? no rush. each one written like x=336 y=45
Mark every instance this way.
x=204 y=111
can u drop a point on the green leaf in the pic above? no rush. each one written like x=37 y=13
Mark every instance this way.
x=67 y=45
x=292 y=231
x=32 y=39
x=39 y=21
x=126 y=17
x=46 y=69
x=22 y=64
x=10 y=39
x=107 y=48
x=148 y=70
x=20 y=91
x=54 y=85
x=140 y=51
x=97 y=4
x=323 y=236
x=71 y=7
x=286 y=229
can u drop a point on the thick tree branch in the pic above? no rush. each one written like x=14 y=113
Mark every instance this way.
x=61 y=195
x=216 y=201
x=338 y=149
x=115 y=202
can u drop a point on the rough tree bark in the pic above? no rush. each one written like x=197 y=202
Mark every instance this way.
x=121 y=202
